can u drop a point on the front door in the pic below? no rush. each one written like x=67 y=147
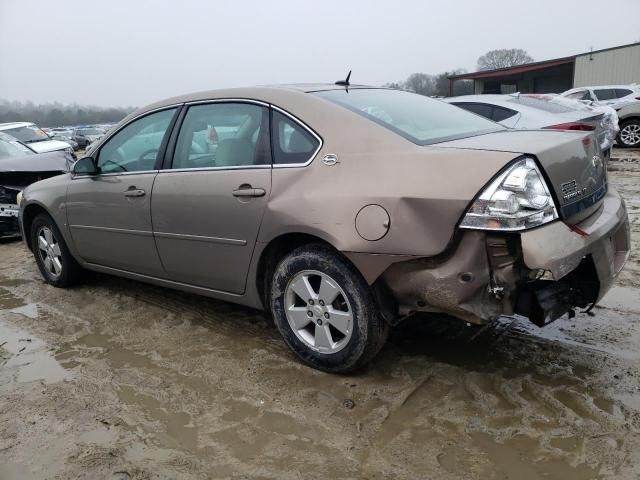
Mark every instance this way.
x=207 y=208
x=109 y=213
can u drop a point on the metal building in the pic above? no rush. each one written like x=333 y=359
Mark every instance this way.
x=611 y=66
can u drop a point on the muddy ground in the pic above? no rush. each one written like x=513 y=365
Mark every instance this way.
x=120 y=380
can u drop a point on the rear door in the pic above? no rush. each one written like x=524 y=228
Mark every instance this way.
x=208 y=202
x=109 y=213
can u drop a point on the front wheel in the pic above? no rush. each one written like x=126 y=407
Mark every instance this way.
x=629 y=135
x=325 y=310
x=55 y=262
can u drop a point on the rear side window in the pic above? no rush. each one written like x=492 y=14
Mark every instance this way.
x=500 y=113
x=292 y=143
x=605 y=94
x=419 y=119
x=623 y=92
x=481 y=109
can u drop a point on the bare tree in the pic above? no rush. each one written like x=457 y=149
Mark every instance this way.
x=503 y=58
x=421 y=83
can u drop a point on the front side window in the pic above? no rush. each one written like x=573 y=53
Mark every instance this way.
x=417 y=118
x=292 y=143
x=223 y=135
x=136 y=147
x=605 y=94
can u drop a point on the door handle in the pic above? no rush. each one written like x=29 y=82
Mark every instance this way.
x=134 y=192
x=248 y=192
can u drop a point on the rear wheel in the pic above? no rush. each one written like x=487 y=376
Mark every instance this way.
x=629 y=135
x=55 y=262
x=325 y=310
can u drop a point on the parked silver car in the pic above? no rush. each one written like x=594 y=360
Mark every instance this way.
x=340 y=209
x=629 y=116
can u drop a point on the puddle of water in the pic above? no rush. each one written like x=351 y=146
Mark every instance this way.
x=8 y=300
x=30 y=310
x=28 y=358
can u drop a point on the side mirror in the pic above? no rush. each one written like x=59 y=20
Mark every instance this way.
x=85 y=166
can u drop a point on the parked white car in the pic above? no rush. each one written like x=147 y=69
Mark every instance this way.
x=612 y=95
x=544 y=111
x=33 y=136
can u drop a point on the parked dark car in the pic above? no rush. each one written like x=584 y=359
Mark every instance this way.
x=20 y=166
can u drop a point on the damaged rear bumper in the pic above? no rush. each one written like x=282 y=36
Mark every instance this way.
x=541 y=273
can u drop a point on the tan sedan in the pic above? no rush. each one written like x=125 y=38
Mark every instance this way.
x=341 y=209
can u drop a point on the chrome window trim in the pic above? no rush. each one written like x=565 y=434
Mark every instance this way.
x=205 y=169
x=114 y=174
x=308 y=129
x=228 y=100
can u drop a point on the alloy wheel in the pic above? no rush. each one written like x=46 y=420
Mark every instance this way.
x=318 y=311
x=49 y=251
x=630 y=134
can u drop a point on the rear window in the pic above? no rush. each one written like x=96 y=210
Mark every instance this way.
x=420 y=119
x=623 y=92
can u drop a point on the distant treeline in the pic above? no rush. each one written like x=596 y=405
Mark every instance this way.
x=58 y=115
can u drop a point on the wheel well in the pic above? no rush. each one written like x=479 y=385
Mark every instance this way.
x=273 y=253
x=30 y=212
x=628 y=119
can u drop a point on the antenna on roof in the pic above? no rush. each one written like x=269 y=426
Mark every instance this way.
x=345 y=82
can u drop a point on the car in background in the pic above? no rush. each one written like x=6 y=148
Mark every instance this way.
x=65 y=136
x=33 y=136
x=19 y=167
x=527 y=111
x=613 y=95
x=84 y=136
x=341 y=209
x=629 y=121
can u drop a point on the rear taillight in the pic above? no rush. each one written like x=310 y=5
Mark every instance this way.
x=583 y=127
x=637 y=98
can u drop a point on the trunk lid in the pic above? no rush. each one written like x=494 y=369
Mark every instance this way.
x=571 y=162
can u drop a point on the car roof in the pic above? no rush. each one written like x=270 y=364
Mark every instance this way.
x=6 y=126
x=267 y=93
x=598 y=87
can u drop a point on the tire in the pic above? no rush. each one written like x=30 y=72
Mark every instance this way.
x=356 y=329
x=629 y=135
x=63 y=271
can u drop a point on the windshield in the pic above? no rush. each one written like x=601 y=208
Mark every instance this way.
x=12 y=148
x=417 y=118
x=89 y=131
x=28 y=134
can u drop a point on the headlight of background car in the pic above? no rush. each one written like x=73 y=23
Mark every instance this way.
x=69 y=150
x=516 y=200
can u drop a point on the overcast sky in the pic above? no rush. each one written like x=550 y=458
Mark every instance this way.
x=133 y=52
